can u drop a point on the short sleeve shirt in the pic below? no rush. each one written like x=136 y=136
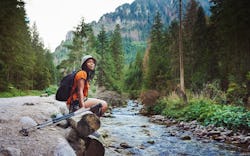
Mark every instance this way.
x=79 y=75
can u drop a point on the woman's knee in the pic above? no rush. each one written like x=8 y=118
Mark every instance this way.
x=93 y=101
x=104 y=106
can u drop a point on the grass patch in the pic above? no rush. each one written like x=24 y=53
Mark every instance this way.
x=13 y=92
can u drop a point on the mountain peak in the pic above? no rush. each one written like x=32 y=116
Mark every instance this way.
x=136 y=19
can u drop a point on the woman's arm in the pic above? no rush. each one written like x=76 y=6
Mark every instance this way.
x=80 y=85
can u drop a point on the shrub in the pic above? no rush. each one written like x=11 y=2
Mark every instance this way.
x=51 y=90
x=236 y=93
x=212 y=91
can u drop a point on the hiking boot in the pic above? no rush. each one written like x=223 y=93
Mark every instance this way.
x=97 y=109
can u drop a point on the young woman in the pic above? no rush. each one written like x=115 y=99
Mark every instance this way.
x=79 y=94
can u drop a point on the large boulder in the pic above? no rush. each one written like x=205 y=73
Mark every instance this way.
x=111 y=97
x=149 y=97
x=22 y=113
x=25 y=112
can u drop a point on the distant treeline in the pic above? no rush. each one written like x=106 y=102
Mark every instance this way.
x=24 y=62
x=216 y=52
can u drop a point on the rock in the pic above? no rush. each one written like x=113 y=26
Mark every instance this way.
x=220 y=138
x=151 y=141
x=143 y=111
x=44 y=95
x=28 y=111
x=64 y=149
x=111 y=97
x=27 y=121
x=244 y=139
x=172 y=133
x=28 y=104
x=87 y=124
x=213 y=133
x=10 y=151
x=125 y=145
x=149 y=97
x=94 y=147
x=76 y=142
x=82 y=125
x=185 y=137
x=157 y=119
x=227 y=133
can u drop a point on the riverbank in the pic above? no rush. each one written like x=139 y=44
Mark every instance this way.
x=127 y=132
x=205 y=133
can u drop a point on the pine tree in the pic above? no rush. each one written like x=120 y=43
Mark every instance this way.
x=231 y=22
x=188 y=42
x=79 y=47
x=103 y=51
x=16 y=57
x=201 y=57
x=158 y=65
x=134 y=76
x=117 y=56
x=174 y=53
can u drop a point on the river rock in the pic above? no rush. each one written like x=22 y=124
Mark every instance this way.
x=247 y=139
x=81 y=126
x=94 y=146
x=85 y=124
x=125 y=145
x=213 y=133
x=149 y=97
x=76 y=142
x=185 y=137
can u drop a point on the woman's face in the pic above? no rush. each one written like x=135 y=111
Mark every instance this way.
x=90 y=64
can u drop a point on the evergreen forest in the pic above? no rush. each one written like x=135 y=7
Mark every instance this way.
x=216 y=54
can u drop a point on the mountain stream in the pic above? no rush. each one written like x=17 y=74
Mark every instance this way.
x=128 y=133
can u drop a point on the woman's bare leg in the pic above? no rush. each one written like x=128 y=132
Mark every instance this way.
x=93 y=101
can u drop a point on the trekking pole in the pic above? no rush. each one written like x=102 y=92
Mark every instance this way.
x=25 y=131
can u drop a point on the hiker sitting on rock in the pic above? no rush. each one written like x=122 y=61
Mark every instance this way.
x=78 y=97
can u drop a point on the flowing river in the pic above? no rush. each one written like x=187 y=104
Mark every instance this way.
x=128 y=133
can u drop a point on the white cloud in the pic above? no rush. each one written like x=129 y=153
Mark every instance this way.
x=54 y=18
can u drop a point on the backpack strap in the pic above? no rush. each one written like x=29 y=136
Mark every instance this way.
x=73 y=89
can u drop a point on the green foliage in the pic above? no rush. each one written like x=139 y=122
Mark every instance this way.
x=160 y=105
x=131 y=48
x=236 y=93
x=169 y=107
x=103 y=51
x=248 y=75
x=206 y=112
x=157 y=69
x=232 y=37
x=212 y=91
x=23 y=60
x=51 y=89
x=12 y=92
x=134 y=76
